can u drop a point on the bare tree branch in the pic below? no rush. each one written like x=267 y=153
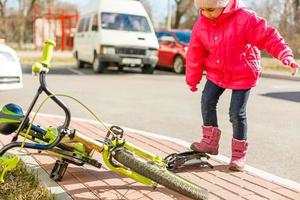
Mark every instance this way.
x=182 y=6
x=2 y=8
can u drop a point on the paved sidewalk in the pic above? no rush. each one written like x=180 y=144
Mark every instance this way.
x=90 y=183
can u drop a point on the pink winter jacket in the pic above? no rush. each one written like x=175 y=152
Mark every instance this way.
x=228 y=48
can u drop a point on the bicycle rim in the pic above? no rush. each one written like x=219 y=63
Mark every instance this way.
x=160 y=175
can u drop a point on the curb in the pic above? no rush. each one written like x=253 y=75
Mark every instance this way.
x=69 y=65
x=252 y=170
x=257 y=172
x=58 y=54
x=43 y=176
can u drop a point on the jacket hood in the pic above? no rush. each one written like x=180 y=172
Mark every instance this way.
x=233 y=6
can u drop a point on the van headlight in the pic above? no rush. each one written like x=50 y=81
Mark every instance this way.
x=152 y=52
x=107 y=50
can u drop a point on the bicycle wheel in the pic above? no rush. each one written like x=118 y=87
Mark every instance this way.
x=160 y=175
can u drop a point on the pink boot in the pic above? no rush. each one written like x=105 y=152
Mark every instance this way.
x=210 y=141
x=238 y=158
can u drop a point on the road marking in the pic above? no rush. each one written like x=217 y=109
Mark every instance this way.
x=289 y=87
x=252 y=170
x=75 y=71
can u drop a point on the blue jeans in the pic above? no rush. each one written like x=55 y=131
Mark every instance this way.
x=237 y=111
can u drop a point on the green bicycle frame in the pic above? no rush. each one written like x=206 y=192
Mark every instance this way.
x=51 y=134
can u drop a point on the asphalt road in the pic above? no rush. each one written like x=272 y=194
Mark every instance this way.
x=162 y=103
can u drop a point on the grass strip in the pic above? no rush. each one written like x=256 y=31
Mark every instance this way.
x=21 y=184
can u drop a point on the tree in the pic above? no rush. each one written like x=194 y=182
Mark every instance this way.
x=296 y=6
x=25 y=17
x=17 y=17
x=2 y=19
x=2 y=8
x=14 y=19
x=283 y=14
x=182 y=8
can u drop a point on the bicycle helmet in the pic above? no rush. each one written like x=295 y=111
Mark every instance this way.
x=11 y=117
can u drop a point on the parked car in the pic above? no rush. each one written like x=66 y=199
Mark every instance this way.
x=173 y=45
x=10 y=69
x=115 y=32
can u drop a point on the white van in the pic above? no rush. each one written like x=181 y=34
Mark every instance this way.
x=115 y=33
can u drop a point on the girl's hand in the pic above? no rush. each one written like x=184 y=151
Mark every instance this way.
x=294 y=71
x=193 y=88
x=292 y=63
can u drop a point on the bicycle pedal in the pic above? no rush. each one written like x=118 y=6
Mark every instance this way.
x=179 y=160
x=59 y=170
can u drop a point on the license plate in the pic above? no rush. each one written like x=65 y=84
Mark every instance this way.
x=134 y=61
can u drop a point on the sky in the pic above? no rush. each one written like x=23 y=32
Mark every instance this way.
x=160 y=7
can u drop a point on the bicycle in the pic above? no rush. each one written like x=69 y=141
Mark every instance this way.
x=75 y=148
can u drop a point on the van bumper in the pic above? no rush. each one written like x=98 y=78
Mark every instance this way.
x=118 y=59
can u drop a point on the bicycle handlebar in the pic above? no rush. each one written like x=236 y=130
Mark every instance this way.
x=57 y=100
x=42 y=68
x=47 y=53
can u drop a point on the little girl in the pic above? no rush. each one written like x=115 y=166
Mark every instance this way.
x=226 y=43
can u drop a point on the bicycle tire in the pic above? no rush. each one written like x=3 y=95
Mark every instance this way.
x=160 y=175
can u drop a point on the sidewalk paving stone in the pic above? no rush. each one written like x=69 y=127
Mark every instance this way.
x=88 y=182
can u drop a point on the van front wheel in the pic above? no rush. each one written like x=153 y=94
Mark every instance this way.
x=98 y=66
x=79 y=63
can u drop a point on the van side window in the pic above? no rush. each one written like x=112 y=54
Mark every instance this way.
x=81 y=25
x=87 y=23
x=95 y=23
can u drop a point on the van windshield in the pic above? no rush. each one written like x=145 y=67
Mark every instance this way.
x=124 y=22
